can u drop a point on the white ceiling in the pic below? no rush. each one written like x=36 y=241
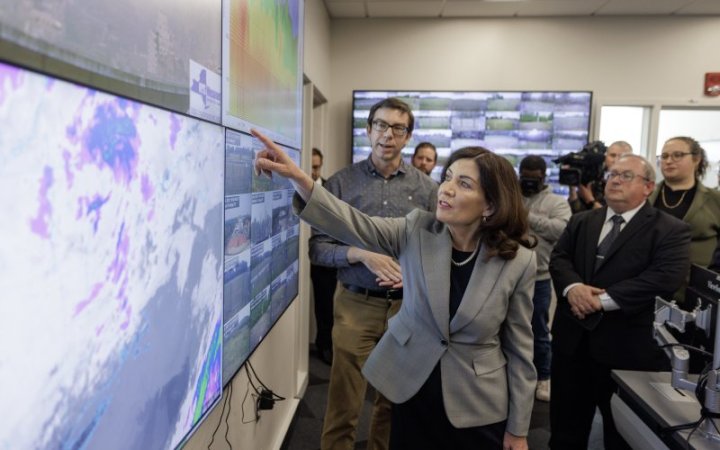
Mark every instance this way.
x=375 y=9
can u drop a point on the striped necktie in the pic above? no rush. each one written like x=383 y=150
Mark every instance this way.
x=606 y=243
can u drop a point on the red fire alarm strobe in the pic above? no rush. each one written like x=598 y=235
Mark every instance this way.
x=712 y=84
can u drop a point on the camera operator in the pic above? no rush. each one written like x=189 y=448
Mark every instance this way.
x=590 y=195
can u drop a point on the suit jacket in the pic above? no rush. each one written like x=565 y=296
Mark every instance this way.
x=485 y=352
x=649 y=258
x=704 y=219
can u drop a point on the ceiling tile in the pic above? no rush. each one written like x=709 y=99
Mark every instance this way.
x=345 y=9
x=466 y=8
x=404 y=9
x=701 y=7
x=641 y=7
x=559 y=8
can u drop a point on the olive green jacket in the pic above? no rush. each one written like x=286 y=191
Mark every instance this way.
x=704 y=220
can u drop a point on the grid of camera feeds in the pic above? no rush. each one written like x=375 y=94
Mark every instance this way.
x=261 y=250
x=143 y=247
x=512 y=124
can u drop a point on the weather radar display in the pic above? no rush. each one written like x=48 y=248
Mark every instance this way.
x=111 y=268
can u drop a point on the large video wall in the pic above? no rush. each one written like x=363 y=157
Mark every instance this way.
x=261 y=250
x=262 y=54
x=513 y=124
x=143 y=261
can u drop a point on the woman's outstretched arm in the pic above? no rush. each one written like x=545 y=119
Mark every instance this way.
x=272 y=159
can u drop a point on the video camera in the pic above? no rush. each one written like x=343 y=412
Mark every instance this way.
x=584 y=166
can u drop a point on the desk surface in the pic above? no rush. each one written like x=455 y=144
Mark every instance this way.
x=641 y=391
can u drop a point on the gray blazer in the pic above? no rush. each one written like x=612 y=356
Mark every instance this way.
x=485 y=352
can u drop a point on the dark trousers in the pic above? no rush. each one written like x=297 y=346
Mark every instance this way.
x=579 y=385
x=324 y=280
x=541 y=330
x=422 y=424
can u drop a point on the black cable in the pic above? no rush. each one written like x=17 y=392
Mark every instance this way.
x=704 y=413
x=689 y=347
x=242 y=406
x=687 y=442
x=276 y=396
x=227 y=425
x=222 y=413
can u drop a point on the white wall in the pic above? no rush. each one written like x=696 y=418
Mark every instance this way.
x=317 y=45
x=640 y=60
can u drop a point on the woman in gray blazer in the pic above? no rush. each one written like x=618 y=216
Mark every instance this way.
x=457 y=359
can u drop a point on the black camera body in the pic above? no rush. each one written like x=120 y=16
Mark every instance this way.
x=584 y=166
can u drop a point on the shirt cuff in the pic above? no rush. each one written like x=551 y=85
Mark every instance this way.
x=608 y=304
x=567 y=289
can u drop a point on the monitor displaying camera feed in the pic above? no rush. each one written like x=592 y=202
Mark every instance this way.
x=112 y=268
x=263 y=72
x=261 y=250
x=158 y=52
x=511 y=123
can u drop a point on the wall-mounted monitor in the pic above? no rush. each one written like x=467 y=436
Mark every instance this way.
x=112 y=268
x=261 y=250
x=510 y=123
x=153 y=51
x=263 y=71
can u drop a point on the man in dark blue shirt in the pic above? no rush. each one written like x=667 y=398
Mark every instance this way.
x=382 y=185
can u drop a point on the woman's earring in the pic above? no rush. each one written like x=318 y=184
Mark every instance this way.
x=484 y=219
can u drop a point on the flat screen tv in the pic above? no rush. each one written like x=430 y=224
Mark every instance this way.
x=261 y=251
x=111 y=268
x=703 y=290
x=153 y=51
x=511 y=123
x=262 y=67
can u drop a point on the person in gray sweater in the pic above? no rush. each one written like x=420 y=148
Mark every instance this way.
x=548 y=214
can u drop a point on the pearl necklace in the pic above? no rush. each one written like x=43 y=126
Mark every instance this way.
x=470 y=258
x=662 y=196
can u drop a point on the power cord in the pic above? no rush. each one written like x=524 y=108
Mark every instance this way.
x=689 y=347
x=700 y=395
x=264 y=397
x=226 y=403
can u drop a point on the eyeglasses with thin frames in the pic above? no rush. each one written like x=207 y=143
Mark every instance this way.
x=382 y=126
x=674 y=156
x=626 y=176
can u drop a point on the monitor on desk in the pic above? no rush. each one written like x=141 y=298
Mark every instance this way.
x=704 y=290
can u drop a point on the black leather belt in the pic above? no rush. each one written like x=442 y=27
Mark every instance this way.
x=387 y=294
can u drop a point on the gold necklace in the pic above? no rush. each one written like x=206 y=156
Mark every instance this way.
x=662 y=196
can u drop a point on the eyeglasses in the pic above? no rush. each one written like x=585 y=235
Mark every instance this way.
x=382 y=126
x=625 y=177
x=675 y=156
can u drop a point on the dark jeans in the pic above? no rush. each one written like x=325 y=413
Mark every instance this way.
x=324 y=281
x=541 y=330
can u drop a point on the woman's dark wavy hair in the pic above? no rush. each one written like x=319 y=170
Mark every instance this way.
x=698 y=153
x=508 y=226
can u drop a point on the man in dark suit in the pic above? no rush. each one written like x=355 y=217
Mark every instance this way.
x=607 y=268
x=324 y=280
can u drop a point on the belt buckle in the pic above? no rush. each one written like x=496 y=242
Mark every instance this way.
x=388 y=294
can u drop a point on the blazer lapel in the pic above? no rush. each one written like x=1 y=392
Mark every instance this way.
x=697 y=203
x=435 y=249
x=654 y=193
x=482 y=281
